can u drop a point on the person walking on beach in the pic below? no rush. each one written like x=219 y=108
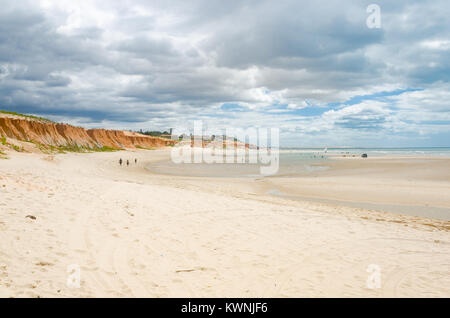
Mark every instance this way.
x=135 y=160
x=128 y=163
x=120 y=161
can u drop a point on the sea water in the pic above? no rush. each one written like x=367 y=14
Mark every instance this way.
x=293 y=162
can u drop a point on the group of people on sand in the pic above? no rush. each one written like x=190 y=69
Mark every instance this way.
x=128 y=161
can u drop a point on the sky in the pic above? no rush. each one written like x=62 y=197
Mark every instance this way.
x=313 y=69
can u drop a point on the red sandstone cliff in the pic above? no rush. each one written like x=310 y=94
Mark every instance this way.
x=53 y=134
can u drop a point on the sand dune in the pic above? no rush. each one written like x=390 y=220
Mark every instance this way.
x=133 y=233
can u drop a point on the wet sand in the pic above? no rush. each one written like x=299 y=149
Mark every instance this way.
x=412 y=185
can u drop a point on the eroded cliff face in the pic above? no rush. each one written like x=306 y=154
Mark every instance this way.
x=66 y=135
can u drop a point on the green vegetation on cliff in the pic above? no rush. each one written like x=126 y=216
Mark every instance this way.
x=49 y=149
x=12 y=146
x=26 y=116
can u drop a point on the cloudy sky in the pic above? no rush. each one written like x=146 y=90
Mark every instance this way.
x=312 y=68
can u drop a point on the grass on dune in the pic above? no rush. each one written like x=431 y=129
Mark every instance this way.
x=144 y=148
x=50 y=149
x=17 y=148
x=26 y=116
x=106 y=149
x=5 y=143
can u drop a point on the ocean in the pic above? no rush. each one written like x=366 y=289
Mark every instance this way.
x=292 y=162
x=409 y=151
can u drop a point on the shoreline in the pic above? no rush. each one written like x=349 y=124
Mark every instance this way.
x=432 y=213
x=393 y=184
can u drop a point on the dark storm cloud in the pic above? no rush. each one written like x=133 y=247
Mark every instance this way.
x=274 y=35
x=143 y=46
x=366 y=120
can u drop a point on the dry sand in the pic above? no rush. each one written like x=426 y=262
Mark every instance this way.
x=133 y=233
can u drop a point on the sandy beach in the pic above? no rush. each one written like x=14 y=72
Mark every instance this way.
x=133 y=233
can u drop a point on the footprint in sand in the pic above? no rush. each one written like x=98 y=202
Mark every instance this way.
x=44 y=264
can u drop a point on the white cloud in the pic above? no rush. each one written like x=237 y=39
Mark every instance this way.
x=110 y=63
